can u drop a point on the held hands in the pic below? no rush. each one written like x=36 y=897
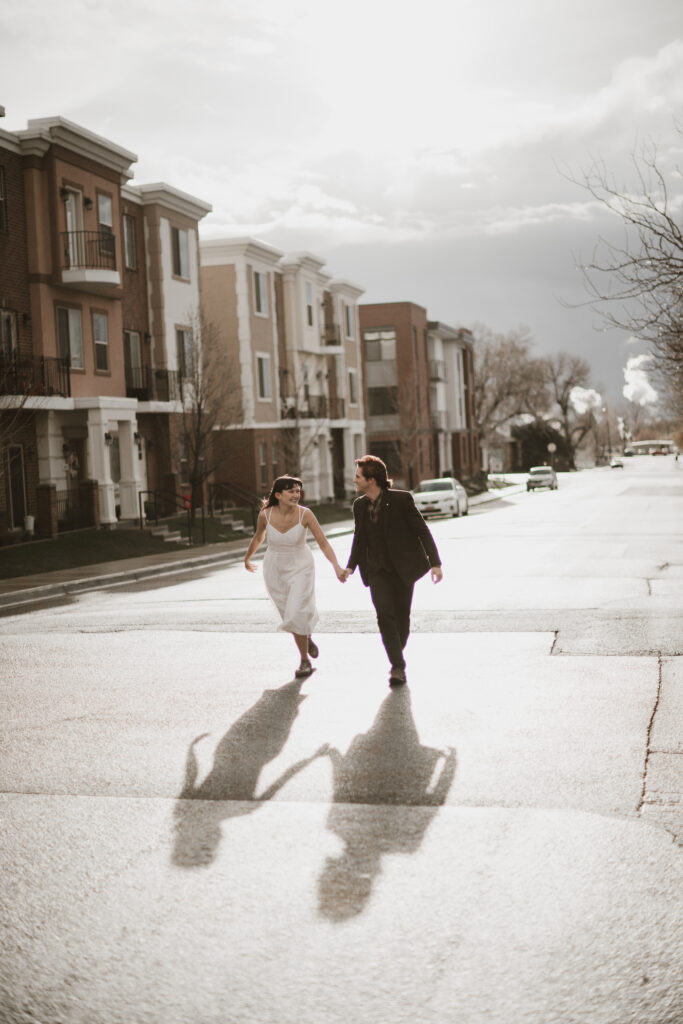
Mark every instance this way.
x=437 y=574
x=342 y=574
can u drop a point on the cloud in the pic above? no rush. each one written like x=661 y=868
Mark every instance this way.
x=637 y=388
x=585 y=399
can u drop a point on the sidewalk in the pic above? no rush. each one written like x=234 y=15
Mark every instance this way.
x=25 y=590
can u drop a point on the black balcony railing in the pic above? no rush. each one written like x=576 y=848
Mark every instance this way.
x=34 y=375
x=336 y=408
x=149 y=385
x=331 y=334
x=437 y=369
x=88 y=250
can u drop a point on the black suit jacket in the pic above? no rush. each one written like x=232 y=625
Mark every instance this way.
x=410 y=543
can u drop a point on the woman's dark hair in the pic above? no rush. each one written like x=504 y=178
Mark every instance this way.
x=283 y=483
x=373 y=468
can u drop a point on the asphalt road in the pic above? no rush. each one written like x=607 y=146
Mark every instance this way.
x=191 y=837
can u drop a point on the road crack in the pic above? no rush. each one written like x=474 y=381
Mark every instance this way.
x=648 y=742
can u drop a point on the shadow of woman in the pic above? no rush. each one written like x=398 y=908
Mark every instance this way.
x=229 y=790
x=387 y=766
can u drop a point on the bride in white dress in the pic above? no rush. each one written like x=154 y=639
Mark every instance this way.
x=288 y=567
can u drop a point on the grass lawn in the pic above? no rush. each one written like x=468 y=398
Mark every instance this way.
x=82 y=547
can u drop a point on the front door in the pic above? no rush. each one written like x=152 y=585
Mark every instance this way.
x=16 y=485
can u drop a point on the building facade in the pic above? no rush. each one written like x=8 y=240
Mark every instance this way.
x=292 y=337
x=451 y=373
x=398 y=390
x=97 y=283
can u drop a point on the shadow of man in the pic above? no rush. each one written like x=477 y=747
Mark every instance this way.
x=229 y=790
x=387 y=766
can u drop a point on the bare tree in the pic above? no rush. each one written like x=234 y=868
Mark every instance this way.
x=306 y=416
x=562 y=374
x=211 y=397
x=636 y=284
x=508 y=381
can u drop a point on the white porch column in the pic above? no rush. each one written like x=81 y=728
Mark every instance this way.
x=129 y=484
x=49 y=443
x=98 y=423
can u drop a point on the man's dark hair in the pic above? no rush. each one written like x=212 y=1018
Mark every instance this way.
x=373 y=468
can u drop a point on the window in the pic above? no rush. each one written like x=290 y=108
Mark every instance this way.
x=263 y=462
x=16 y=484
x=8 y=334
x=273 y=453
x=3 y=202
x=183 y=338
x=183 y=448
x=380 y=345
x=263 y=375
x=99 y=332
x=181 y=253
x=382 y=401
x=353 y=388
x=348 y=320
x=309 y=303
x=260 y=293
x=105 y=220
x=390 y=453
x=130 y=255
x=358 y=446
x=70 y=336
x=132 y=354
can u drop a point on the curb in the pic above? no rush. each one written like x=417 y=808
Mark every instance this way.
x=23 y=596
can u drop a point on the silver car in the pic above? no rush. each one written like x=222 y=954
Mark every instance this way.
x=541 y=476
x=442 y=497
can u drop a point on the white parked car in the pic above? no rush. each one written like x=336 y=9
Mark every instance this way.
x=442 y=497
x=541 y=476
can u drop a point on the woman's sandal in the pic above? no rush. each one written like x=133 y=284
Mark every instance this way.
x=304 y=669
x=313 y=648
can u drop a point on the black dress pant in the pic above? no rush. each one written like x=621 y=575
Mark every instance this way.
x=392 y=599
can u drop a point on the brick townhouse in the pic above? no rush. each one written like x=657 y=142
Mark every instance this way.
x=98 y=281
x=419 y=393
x=293 y=342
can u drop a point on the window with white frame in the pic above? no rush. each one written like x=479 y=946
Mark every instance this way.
x=101 y=341
x=260 y=293
x=70 y=336
x=309 y=303
x=130 y=256
x=353 y=387
x=348 y=320
x=3 y=202
x=380 y=345
x=263 y=463
x=8 y=333
x=183 y=338
x=263 y=374
x=180 y=252
x=105 y=220
x=273 y=455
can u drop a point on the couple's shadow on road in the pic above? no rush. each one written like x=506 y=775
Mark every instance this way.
x=387 y=788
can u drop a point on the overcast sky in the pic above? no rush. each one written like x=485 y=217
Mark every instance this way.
x=420 y=154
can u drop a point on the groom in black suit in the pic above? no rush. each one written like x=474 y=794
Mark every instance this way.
x=393 y=548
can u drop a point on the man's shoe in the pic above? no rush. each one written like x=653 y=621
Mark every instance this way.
x=397 y=676
x=313 y=648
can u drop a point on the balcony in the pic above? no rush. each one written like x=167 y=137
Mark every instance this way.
x=336 y=407
x=439 y=419
x=34 y=375
x=437 y=369
x=148 y=385
x=331 y=335
x=89 y=261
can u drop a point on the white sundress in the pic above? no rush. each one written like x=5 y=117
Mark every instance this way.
x=289 y=576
